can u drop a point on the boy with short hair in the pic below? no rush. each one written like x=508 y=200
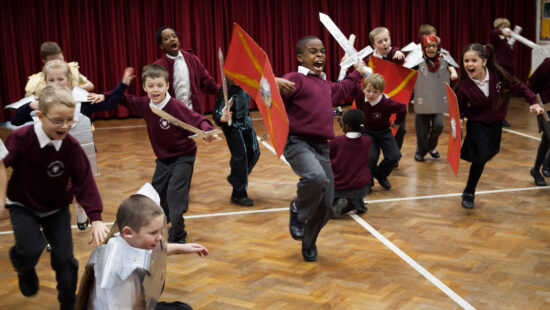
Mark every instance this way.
x=378 y=109
x=309 y=110
x=381 y=41
x=140 y=222
x=51 y=51
x=49 y=168
x=174 y=149
x=187 y=75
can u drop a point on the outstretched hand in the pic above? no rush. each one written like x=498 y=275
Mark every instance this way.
x=96 y=98
x=536 y=109
x=99 y=232
x=128 y=76
x=285 y=86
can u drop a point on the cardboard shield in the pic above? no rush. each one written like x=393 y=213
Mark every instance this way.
x=249 y=67
x=455 y=133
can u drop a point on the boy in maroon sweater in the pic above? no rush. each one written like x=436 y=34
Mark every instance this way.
x=49 y=169
x=309 y=110
x=187 y=75
x=378 y=109
x=174 y=149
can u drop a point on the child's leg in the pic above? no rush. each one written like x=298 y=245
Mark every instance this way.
x=391 y=155
x=400 y=135
x=177 y=197
x=57 y=230
x=542 y=152
x=315 y=189
x=238 y=178
x=374 y=153
x=422 y=126
x=29 y=244
x=436 y=130
x=252 y=148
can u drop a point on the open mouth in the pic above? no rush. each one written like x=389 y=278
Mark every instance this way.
x=319 y=65
x=155 y=98
x=471 y=71
x=60 y=133
x=174 y=45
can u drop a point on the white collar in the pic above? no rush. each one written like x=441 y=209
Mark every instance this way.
x=353 y=134
x=163 y=102
x=376 y=102
x=43 y=138
x=178 y=56
x=305 y=71
x=485 y=80
x=375 y=53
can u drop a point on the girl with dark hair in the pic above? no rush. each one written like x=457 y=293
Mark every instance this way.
x=481 y=93
x=349 y=158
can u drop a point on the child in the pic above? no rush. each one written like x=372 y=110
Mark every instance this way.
x=480 y=93
x=174 y=149
x=429 y=98
x=140 y=221
x=378 y=109
x=351 y=172
x=58 y=72
x=539 y=82
x=415 y=57
x=187 y=75
x=504 y=52
x=49 y=169
x=309 y=110
x=380 y=40
x=241 y=140
x=51 y=51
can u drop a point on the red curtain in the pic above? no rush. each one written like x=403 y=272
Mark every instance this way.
x=105 y=36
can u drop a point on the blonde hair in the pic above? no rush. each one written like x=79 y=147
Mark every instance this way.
x=55 y=94
x=425 y=30
x=57 y=65
x=500 y=22
x=376 y=80
x=376 y=31
x=154 y=71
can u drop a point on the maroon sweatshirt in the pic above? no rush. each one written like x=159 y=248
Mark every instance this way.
x=350 y=161
x=45 y=179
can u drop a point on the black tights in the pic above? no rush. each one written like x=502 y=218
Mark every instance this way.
x=542 y=153
x=476 y=169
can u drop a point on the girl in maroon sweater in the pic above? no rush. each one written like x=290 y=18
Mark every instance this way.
x=481 y=91
x=351 y=172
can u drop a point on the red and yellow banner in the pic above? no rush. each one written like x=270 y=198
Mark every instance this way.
x=249 y=67
x=399 y=80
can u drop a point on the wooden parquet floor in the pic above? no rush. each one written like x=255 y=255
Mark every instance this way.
x=496 y=256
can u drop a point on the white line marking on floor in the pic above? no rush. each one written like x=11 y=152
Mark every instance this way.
x=444 y=288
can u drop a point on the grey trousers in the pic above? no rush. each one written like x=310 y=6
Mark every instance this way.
x=428 y=129
x=172 y=180
x=315 y=193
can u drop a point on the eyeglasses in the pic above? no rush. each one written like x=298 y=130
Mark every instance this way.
x=59 y=122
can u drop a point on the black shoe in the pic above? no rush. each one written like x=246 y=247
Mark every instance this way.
x=434 y=154
x=418 y=157
x=539 y=180
x=361 y=208
x=338 y=207
x=297 y=229
x=546 y=172
x=505 y=123
x=28 y=283
x=242 y=201
x=83 y=226
x=384 y=183
x=309 y=255
x=468 y=201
